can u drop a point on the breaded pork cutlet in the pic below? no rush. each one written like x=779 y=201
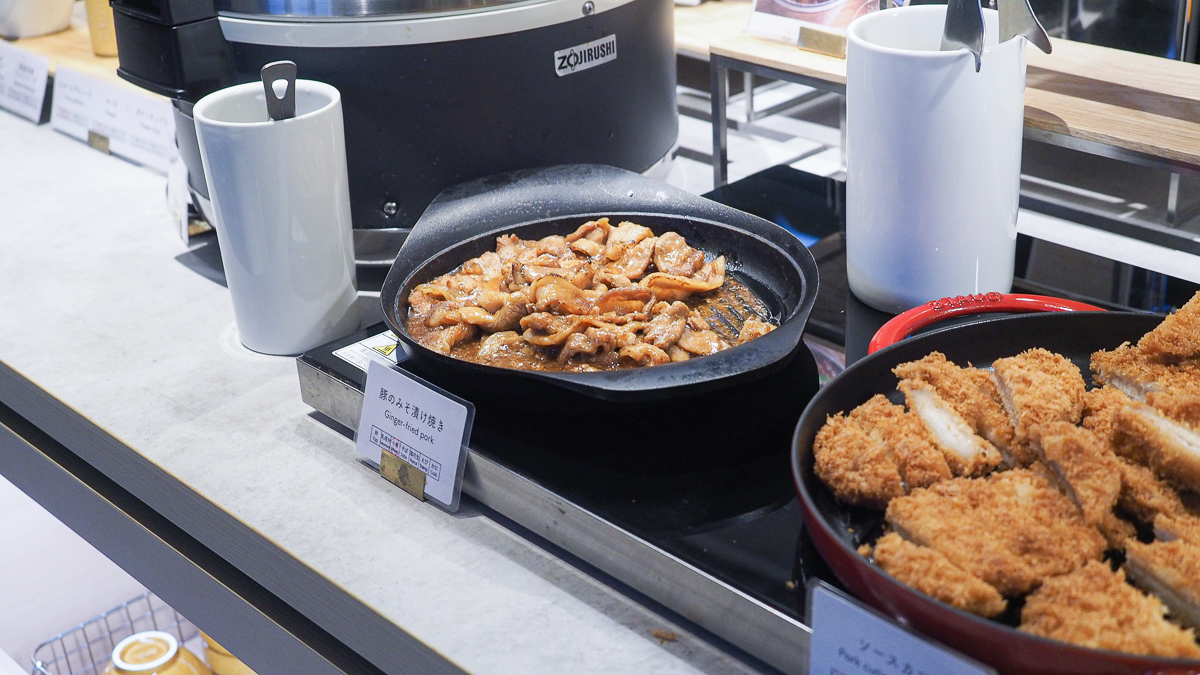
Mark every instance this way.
x=1184 y=527
x=972 y=393
x=1182 y=407
x=1146 y=496
x=1094 y=607
x=1178 y=335
x=1038 y=387
x=966 y=453
x=856 y=466
x=1137 y=373
x=1151 y=501
x=1012 y=529
x=1099 y=407
x=1171 y=449
x=1089 y=473
x=929 y=572
x=876 y=453
x=1171 y=571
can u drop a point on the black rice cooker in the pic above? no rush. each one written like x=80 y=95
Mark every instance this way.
x=434 y=92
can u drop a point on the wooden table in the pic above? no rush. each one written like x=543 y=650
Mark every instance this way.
x=1118 y=104
x=697 y=28
x=72 y=48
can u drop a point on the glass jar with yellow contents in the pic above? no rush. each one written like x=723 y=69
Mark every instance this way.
x=154 y=653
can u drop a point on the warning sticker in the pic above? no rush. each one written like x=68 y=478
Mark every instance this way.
x=383 y=348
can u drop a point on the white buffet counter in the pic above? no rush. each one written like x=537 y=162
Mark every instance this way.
x=116 y=344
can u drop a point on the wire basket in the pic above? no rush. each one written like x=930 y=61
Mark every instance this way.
x=87 y=648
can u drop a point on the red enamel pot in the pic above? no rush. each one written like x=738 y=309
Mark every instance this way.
x=838 y=530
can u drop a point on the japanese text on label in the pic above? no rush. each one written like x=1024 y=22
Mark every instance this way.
x=848 y=639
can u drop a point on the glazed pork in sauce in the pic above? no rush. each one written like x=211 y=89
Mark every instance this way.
x=600 y=298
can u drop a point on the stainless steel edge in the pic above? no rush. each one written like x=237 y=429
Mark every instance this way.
x=341 y=401
x=769 y=635
x=426 y=28
x=350 y=9
x=378 y=247
x=206 y=600
x=712 y=604
x=353 y=633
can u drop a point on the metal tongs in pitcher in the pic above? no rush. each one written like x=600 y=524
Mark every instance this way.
x=279 y=84
x=1017 y=18
x=964 y=26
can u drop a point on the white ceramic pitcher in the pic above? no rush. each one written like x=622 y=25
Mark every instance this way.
x=281 y=196
x=933 y=159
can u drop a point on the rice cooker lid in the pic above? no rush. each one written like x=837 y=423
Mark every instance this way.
x=350 y=10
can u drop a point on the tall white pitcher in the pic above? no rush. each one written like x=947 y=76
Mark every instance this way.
x=933 y=159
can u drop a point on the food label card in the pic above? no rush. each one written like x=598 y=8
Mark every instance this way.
x=179 y=197
x=135 y=126
x=23 y=79
x=424 y=426
x=849 y=638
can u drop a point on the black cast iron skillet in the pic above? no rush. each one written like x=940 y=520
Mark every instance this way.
x=838 y=530
x=465 y=221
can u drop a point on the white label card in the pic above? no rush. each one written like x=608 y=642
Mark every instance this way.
x=23 y=78
x=849 y=638
x=139 y=127
x=421 y=424
x=179 y=197
x=384 y=348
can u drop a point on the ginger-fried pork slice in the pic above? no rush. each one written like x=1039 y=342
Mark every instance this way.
x=1178 y=335
x=1147 y=437
x=1094 y=607
x=1037 y=387
x=1088 y=473
x=973 y=395
x=1137 y=373
x=875 y=453
x=966 y=453
x=1170 y=570
x=929 y=572
x=1012 y=529
x=443 y=340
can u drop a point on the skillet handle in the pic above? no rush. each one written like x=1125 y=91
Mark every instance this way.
x=903 y=325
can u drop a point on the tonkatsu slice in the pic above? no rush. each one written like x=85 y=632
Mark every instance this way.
x=1137 y=372
x=1038 y=387
x=1012 y=529
x=966 y=453
x=1094 y=607
x=931 y=573
x=1171 y=571
x=1089 y=473
x=875 y=453
x=1171 y=449
x=972 y=393
x=1178 y=335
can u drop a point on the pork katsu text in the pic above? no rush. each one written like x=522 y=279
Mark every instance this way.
x=599 y=298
